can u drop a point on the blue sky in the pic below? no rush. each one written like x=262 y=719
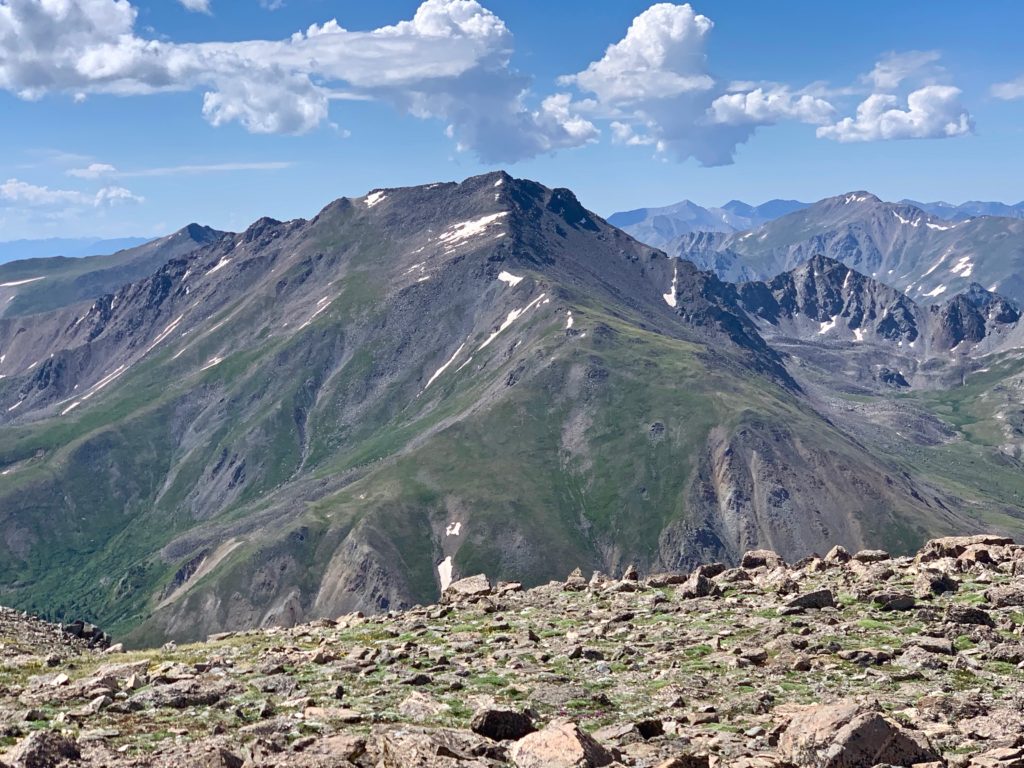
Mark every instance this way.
x=136 y=118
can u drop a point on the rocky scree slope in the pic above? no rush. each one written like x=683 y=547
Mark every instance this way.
x=348 y=412
x=926 y=257
x=843 y=661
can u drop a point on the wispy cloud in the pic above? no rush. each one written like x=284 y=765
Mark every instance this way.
x=1009 y=91
x=100 y=170
x=198 y=6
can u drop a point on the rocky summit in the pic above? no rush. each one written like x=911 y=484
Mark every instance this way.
x=851 y=660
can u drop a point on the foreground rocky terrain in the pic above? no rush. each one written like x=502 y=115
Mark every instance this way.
x=840 y=661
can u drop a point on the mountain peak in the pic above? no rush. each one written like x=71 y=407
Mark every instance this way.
x=858 y=196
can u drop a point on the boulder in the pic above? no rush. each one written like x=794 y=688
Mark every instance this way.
x=930 y=583
x=761 y=558
x=502 y=724
x=1006 y=595
x=837 y=555
x=698 y=585
x=1003 y=757
x=965 y=614
x=954 y=546
x=850 y=735
x=466 y=589
x=819 y=598
x=44 y=749
x=872 y=556
x=561 y=744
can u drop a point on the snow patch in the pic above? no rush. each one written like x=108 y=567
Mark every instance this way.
x=373 y=198
x=212 y=362
x=568 y=320
x=936 y=291
x=936 y=265
x=220 y=265
x=964 y=267
x=444 y=572
x=514 y=315
x=457 y=233
x=508 y=277
x=16 y=283
x=940 y=227
x=15 y=406
x=906 y=221
x=467 y=362
x=164 y=334
x=499 y=182
x=828 y=325
x=453 y=530
x=670 y=297
x=444 y=367
x=858 y=334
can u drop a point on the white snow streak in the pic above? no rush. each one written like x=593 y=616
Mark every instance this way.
x=514 y=315
x=508 y=277
x=964 y=267
x=467 y=229
x=568 y=320
x=16 y=283
x=213 y=361
x=940 y=227
x=444 y=367
x=373 y=198
x=670 y=297
x=858 y=334
x=164 y=334
x=936 y=291
x=444 y=571
x=220 y=265
x=828 y=325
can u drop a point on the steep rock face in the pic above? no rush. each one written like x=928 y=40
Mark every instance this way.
x=832 y=295
x=348 y=412
x=971 y=318
x=824 y=306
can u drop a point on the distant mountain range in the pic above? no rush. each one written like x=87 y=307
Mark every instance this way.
x=660 y=226
x=969 y=209
x=347 y=412
x=62 y=246
x=927 y=257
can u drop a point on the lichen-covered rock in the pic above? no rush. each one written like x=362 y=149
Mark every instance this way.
x=850 y=735
x=561 y=744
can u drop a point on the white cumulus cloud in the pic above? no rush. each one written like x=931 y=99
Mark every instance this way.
x=656 y=88
x=932 y=112
x=450 y=62
x=768 y=106
x=15 y=192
